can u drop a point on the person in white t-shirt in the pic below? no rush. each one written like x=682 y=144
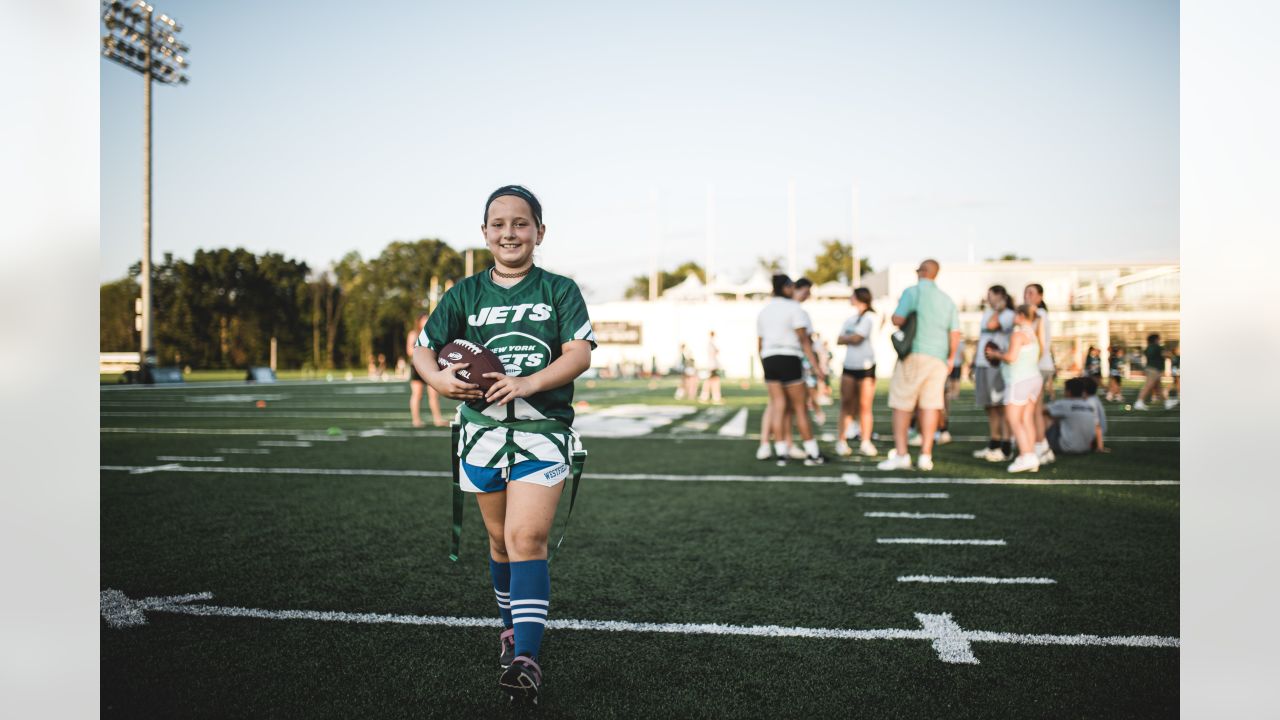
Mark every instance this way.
x=988 y=382
x=782 y=330
x=858 y=379
x=711 y=385
x=1033 y=295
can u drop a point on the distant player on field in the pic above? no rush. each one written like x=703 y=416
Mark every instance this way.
x=517 y=439
x=782 y=330
x=1115 y=370
x=858 y=378
x=416 y=383
x=988 y=381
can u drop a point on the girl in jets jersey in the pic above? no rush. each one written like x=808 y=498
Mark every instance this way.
x=516 y=439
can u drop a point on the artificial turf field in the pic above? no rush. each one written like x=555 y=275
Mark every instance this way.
x=326 y=501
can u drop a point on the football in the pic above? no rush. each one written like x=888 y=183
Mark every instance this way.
x=480 y=358
x=990 y=348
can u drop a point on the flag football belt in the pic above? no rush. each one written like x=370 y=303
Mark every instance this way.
x=577 y=459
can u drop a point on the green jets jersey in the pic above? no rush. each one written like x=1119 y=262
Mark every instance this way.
x=525 y=326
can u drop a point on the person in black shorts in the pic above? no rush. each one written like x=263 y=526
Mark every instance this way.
x=1093 y=363
x=858 y=378
x=782 y=330
x=1115 y=369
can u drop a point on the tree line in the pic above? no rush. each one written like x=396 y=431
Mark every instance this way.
x=221 y=308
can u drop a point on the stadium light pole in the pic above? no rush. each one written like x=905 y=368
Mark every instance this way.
x=146 y=43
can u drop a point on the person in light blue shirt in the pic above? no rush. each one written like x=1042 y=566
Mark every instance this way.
x=919 y=380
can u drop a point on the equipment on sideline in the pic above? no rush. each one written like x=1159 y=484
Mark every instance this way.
x=480 y=358
x=260 y=375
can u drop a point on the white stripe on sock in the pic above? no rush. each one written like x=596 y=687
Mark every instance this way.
x=543 y=603
x=528 y=619
x=496 y=591
x=528 y=611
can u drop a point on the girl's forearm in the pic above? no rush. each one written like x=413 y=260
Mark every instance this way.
x=563 y=371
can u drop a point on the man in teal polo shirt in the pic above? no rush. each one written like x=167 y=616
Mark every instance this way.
x=920 y=379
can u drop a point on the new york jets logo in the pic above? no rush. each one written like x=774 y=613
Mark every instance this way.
x=510 y=313
x=520 y=354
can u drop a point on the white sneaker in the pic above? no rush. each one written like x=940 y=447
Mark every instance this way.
x=843 y=449
x=895 y=462
x=855 y=429
x=942 y=438
x=1140 y=405
x=1025 y=463
x=914 y=440
x=764 y=452
x=820 y=417
x=796 y=453
x=1046 y=457
x=1170 y=404
x=867 y=448
x=980 y=453
x=925 y=462
x=994 y=455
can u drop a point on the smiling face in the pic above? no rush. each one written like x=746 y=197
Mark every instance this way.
x=1032 y=296
x=511 y=233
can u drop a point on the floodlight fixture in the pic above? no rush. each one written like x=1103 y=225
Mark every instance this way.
x=137 y=38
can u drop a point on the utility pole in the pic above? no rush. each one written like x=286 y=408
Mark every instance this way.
x=793 y=265
x=711 y=240
x=855 y=272
x=655 y=238
x=140 y=41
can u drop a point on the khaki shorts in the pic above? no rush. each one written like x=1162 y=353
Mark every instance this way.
x=1154 y=373
x=920 y=381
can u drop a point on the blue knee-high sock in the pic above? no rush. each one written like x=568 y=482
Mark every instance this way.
x=530 y=599
x=501 y=574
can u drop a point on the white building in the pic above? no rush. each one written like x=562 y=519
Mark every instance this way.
x=1089 y=303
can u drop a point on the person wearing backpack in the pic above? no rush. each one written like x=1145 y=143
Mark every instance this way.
x=928 y=318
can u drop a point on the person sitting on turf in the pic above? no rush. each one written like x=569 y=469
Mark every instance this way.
x=1072 y=423
x=1091 y=395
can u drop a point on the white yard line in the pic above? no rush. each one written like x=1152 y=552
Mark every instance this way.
x=383 y=472
x=953 y=643
x=378 y=472
x=904 y=496
x=263 y=413
x=855 y=479
x=979 y=580
x=143 y=470
x=935 y=541
x=188 y=458
x=736 y=427
x=348 y=472
x=919 y=516
x=285 y=443
x=244 y=451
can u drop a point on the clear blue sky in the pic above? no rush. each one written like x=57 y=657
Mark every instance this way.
x=1045 y=128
